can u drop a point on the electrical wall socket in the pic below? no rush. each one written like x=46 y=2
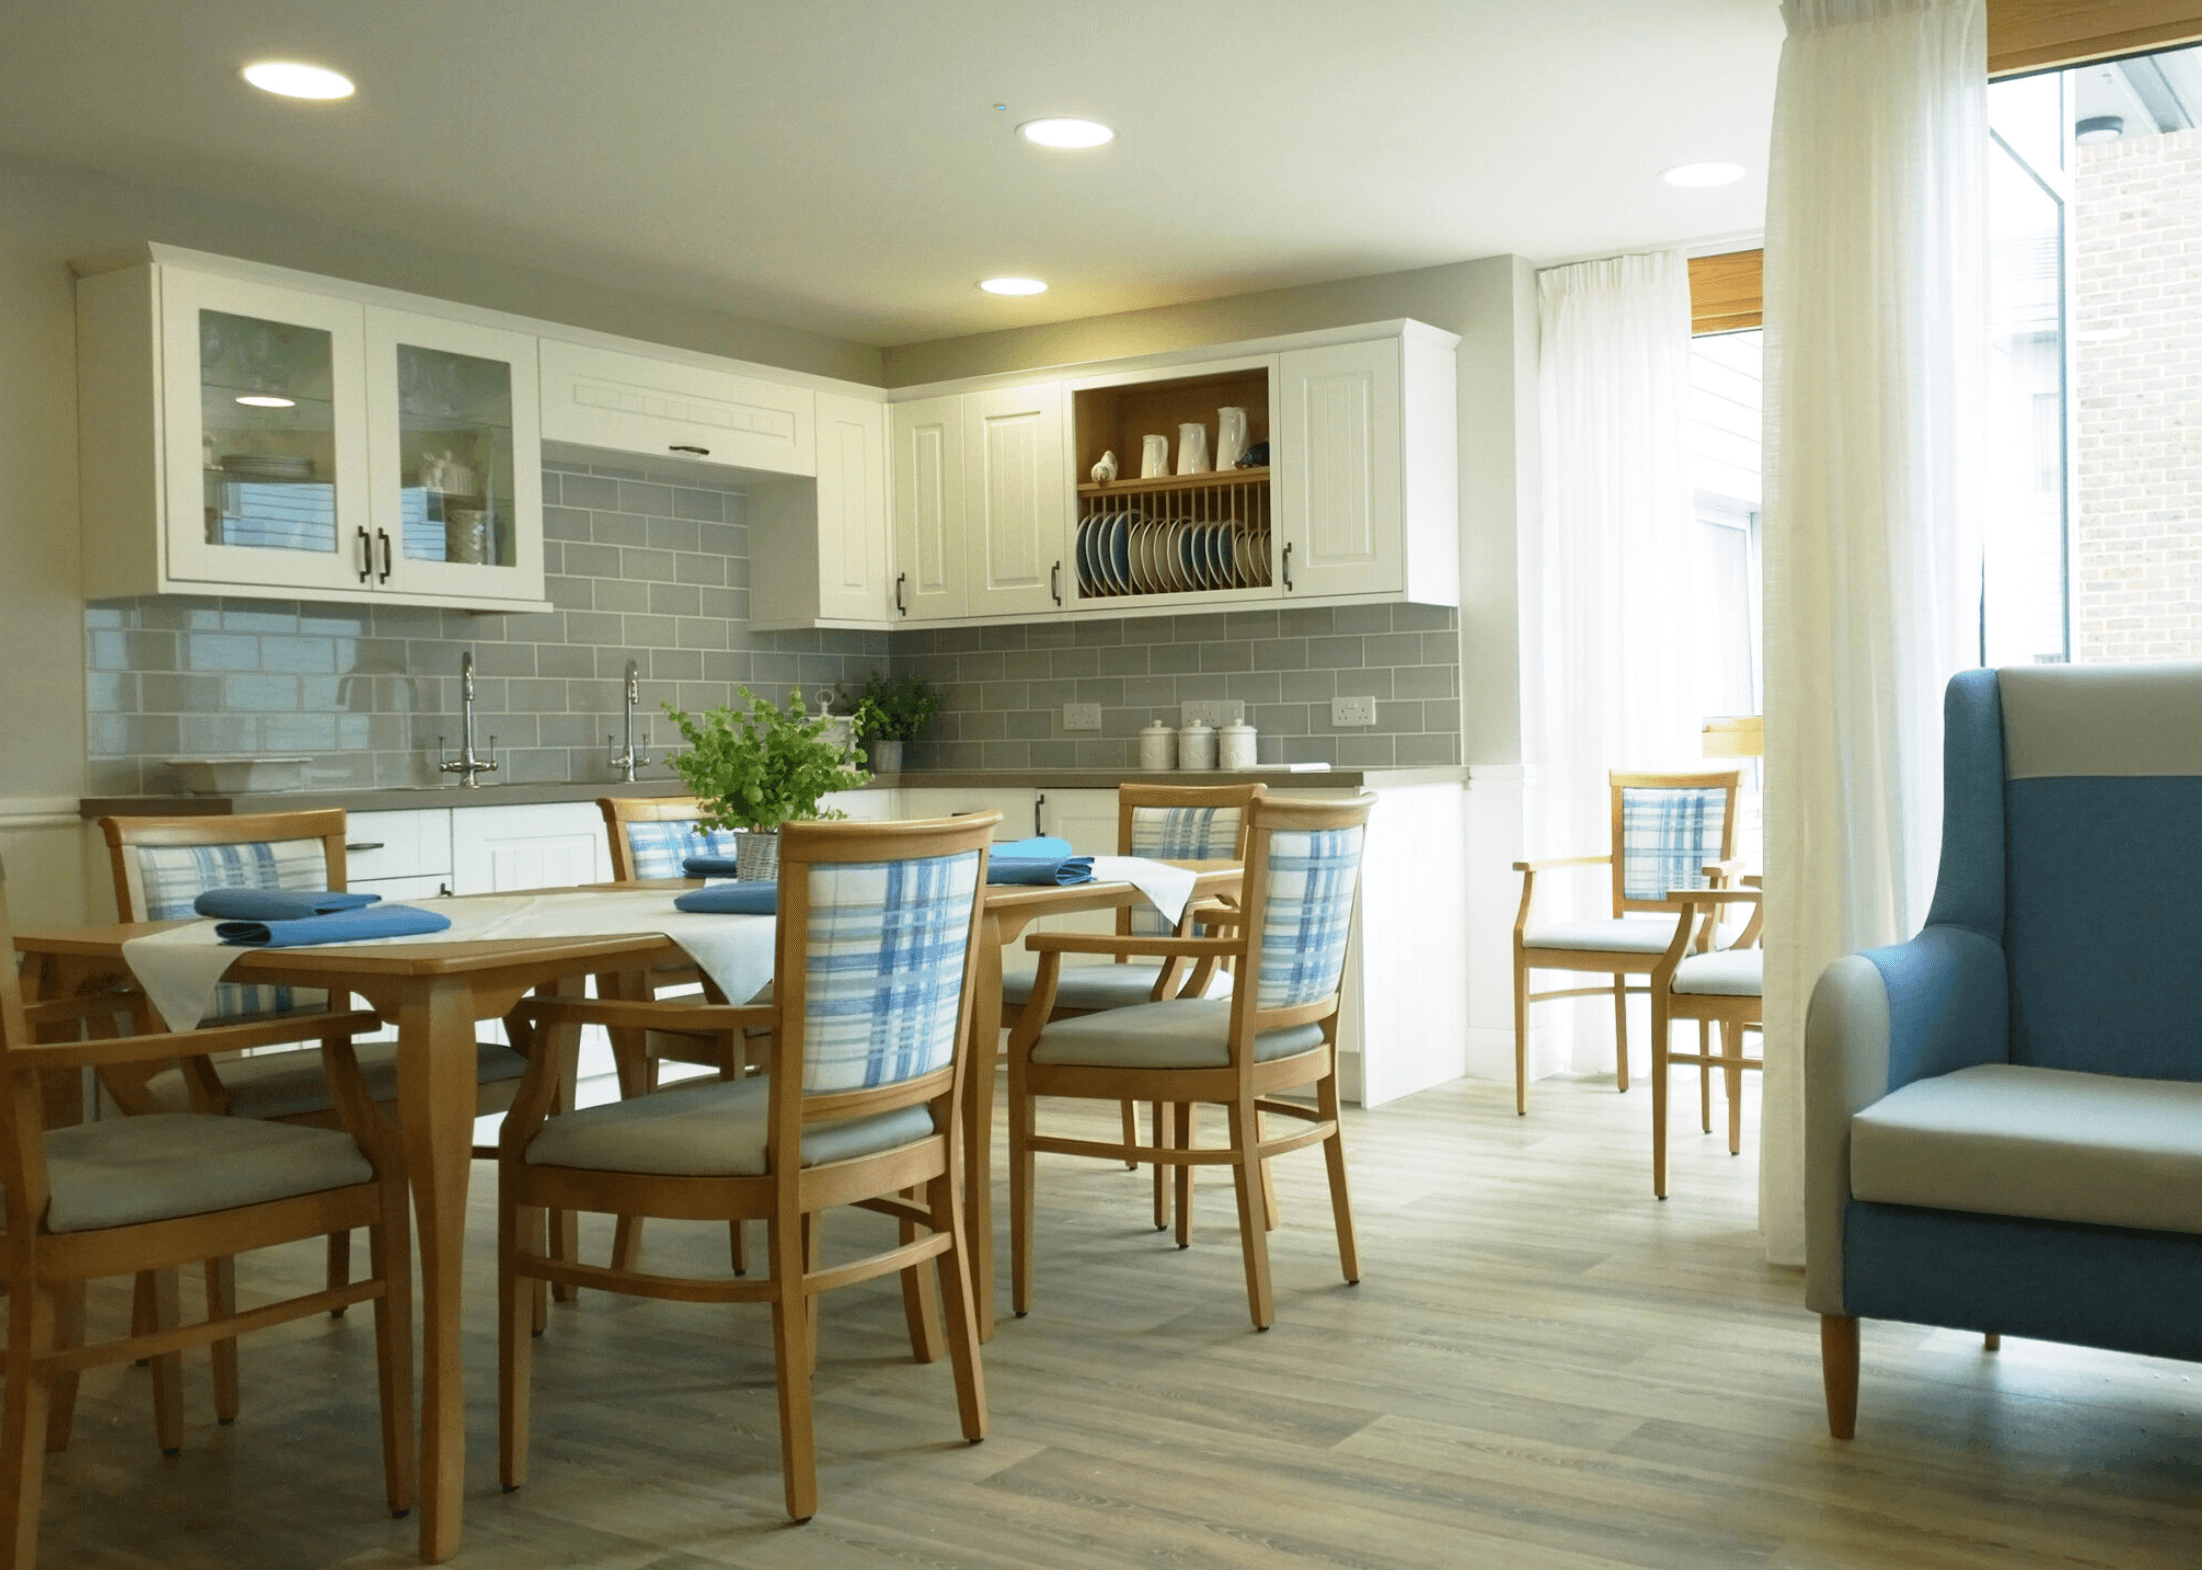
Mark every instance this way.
x=1353 y=711
x=1218 y=712
x=1081 y=716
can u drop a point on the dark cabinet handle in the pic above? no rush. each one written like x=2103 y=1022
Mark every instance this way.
x=1055 y=582
x=1038 y=802
x=1288 y=567
x=366 y=557
x=701 y=452
x=366 y=845
x=900 y=608
x=383 y=535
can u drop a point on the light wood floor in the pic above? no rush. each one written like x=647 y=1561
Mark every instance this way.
x=1543 y=1368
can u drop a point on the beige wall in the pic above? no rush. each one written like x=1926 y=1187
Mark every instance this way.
x=1491 y=303
x=50 y=214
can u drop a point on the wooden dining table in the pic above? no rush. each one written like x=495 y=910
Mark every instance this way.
x=434 y=993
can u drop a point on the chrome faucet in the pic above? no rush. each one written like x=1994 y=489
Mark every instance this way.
x=467 y=765
x=629 y=760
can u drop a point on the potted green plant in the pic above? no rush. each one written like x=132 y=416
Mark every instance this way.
x=890 y=711
x=754 y=770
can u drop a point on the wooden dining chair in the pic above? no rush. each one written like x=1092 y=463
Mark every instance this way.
x=1277 y=1032
x=875 y=969
x=141 y=1196
x=1721 y=987
x=1167 y=823
x=160 y=866
x=1666 y=829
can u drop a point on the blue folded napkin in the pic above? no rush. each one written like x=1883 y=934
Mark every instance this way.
x=709 y=866
x=754 y=898
x=276 y=904
x=343 y=926
x=1040 y=847
x=1047 y=871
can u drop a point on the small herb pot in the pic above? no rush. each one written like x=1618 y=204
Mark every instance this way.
x=886 y=755
x=757 y=856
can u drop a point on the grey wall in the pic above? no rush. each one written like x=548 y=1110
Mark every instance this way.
x=1004 y=687
x=637 y=567
x=1491 y=303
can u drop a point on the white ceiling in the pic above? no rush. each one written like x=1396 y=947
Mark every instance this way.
x=840 y=165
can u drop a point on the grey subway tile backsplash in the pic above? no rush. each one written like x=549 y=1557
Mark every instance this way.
x=639 y=569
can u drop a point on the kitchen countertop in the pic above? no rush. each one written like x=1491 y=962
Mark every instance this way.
x=398 y=799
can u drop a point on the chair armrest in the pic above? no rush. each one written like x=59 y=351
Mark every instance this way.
x=1876 y=1022
x=679 y=1019
x=1554 y=863
x=1115 y=943
x=82 y=1006
x=114 y=1050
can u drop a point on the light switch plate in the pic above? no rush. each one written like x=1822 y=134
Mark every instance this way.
x=1081 y=716
x=1353 y=711
x=1218 y=712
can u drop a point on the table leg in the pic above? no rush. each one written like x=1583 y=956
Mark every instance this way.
x=978 y=1120
x=435 y=1023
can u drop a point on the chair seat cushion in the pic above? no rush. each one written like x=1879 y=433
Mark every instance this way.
x=708 y=1130
x=2006 y=1139
x=121 y=1171
x=1092 y=987
x=1175 y=1033
x=1625 y=935
x=1729 y=973
x=290 y=1084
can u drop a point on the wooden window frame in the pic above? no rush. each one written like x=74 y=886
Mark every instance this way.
x=2040 y=35
x=1727 y=292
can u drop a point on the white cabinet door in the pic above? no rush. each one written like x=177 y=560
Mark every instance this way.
x=265 y=430
x=602 y=398
x=852 y=510
x=1019 y=808
x=928 y=502
x=1016 y=500
x=1338 y=470
x=457 y=461
x=414 y=843
x=554 y=845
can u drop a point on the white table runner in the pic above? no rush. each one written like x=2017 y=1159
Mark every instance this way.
x=1167 y=888
x=180 y=968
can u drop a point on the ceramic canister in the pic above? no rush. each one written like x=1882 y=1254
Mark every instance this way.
x=1158 y=747
x=1196 y=746
x=1235 y=746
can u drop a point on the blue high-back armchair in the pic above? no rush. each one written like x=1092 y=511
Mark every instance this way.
x=2004 y=1115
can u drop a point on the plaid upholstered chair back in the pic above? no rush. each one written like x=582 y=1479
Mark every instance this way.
x=1303 y=873
x=652 y=835
x=882 y=934
x=162 y=865
x=1180 y=823
x=1667 y=828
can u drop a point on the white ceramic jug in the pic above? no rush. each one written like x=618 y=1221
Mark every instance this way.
x=1154 y=457
x=1192 y=449
x=1230 y=437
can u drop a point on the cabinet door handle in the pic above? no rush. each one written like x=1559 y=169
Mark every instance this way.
x=366 y=556
x=1288 y=566
x=1038 y=802
x=383 y=535
x=1055 y=582
x=366 y=845
x=701 y=452
x=900 y=608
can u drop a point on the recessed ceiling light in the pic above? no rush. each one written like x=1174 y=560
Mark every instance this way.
x=293 y=79
x=1066 y=132
x=266 y=401
x=1013 y=286
x=1702 y=174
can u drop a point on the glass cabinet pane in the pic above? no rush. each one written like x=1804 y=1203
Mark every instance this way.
x=268 y=432
x=455 y=456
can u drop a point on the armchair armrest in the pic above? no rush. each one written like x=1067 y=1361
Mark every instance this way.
x=1877 y=1021
x=82 y=1006
x=1554 y=863
x=674 y=1018
x=160 y=1048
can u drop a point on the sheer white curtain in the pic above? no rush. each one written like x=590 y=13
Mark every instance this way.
x=1608 y=640
x=1875 y=379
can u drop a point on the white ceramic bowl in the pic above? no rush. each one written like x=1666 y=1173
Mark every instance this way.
x=239 y=776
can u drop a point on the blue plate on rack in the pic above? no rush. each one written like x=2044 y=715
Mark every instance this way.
x=1120 y=551
x=1082 y=552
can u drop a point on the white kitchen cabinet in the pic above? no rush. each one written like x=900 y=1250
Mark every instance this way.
x=552 y=845
x=818 y=550
x=1016 y=501
x=1366 y=471
x=926 y=493
x=669 y=408
x=232 y=423
x=412 y=847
